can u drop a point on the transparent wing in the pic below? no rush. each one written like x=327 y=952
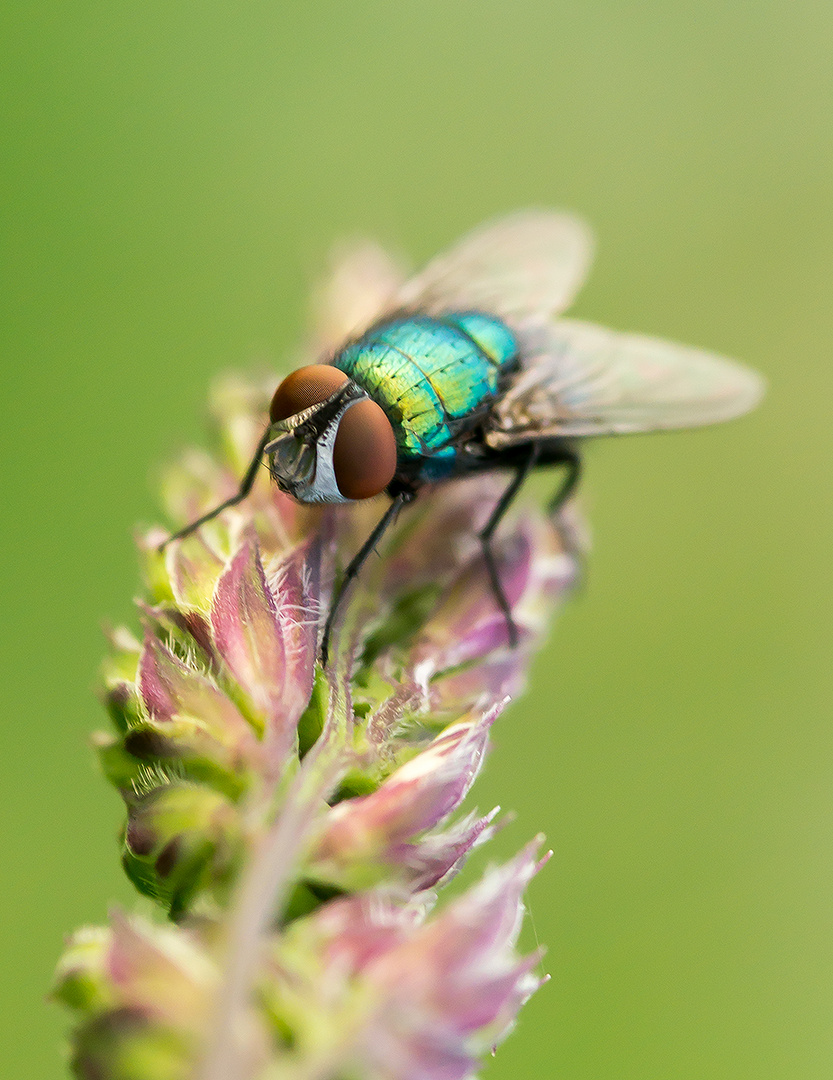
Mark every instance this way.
x=585 y=380
x=524 y=267
x=363 y=280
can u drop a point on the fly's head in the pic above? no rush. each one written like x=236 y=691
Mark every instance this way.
x=330 y=442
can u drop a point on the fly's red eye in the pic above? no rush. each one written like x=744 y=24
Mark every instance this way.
x=305 y=387
x=364 y=455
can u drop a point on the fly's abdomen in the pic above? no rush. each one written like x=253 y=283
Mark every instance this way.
x=432 y=376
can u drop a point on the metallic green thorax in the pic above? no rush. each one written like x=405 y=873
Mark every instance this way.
x=433 y=377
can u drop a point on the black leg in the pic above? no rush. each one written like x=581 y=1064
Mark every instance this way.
x=563 y=492
x=568 y=483
x=356 y=563
x=246 y=485
x=487 y=532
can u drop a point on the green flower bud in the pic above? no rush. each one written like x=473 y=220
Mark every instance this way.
x=181 y=839
x=81 y=980
x=124 y=1045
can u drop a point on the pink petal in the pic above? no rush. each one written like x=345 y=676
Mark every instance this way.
x=170 y=688
x=415 y=798
x=439 y=855
x=297 y=588
x=357 y=929
x=154 y=972
x=460 y=968
x=247 y=634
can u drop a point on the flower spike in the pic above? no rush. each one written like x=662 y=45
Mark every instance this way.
x=296 y=824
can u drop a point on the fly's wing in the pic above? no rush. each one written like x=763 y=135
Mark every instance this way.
x=524 y=268
x=363 y=280
x=580 y=379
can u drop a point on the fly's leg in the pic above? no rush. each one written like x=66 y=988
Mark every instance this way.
x=568 y=483
x=356 y=563
x=246 y=485
x=565 y=489
x=487 y=532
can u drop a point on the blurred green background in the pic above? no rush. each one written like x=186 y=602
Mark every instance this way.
x=173 y=174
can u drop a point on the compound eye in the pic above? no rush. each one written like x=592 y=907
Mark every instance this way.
x=307 y=386
x=364 y=455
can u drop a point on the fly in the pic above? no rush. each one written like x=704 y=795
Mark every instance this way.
x=471 y=368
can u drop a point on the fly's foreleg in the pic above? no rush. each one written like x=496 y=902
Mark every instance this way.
x=246 y=485
x=355 y=565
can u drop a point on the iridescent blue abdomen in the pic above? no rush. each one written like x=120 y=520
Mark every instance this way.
x=434 y=377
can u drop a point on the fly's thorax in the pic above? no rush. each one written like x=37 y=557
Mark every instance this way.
x=435 y=378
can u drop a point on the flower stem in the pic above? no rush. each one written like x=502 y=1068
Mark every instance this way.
x=263 y=891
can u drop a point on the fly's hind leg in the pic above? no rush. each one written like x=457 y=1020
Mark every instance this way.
x=565 y=489
x=486 y=534
x=568 y=483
